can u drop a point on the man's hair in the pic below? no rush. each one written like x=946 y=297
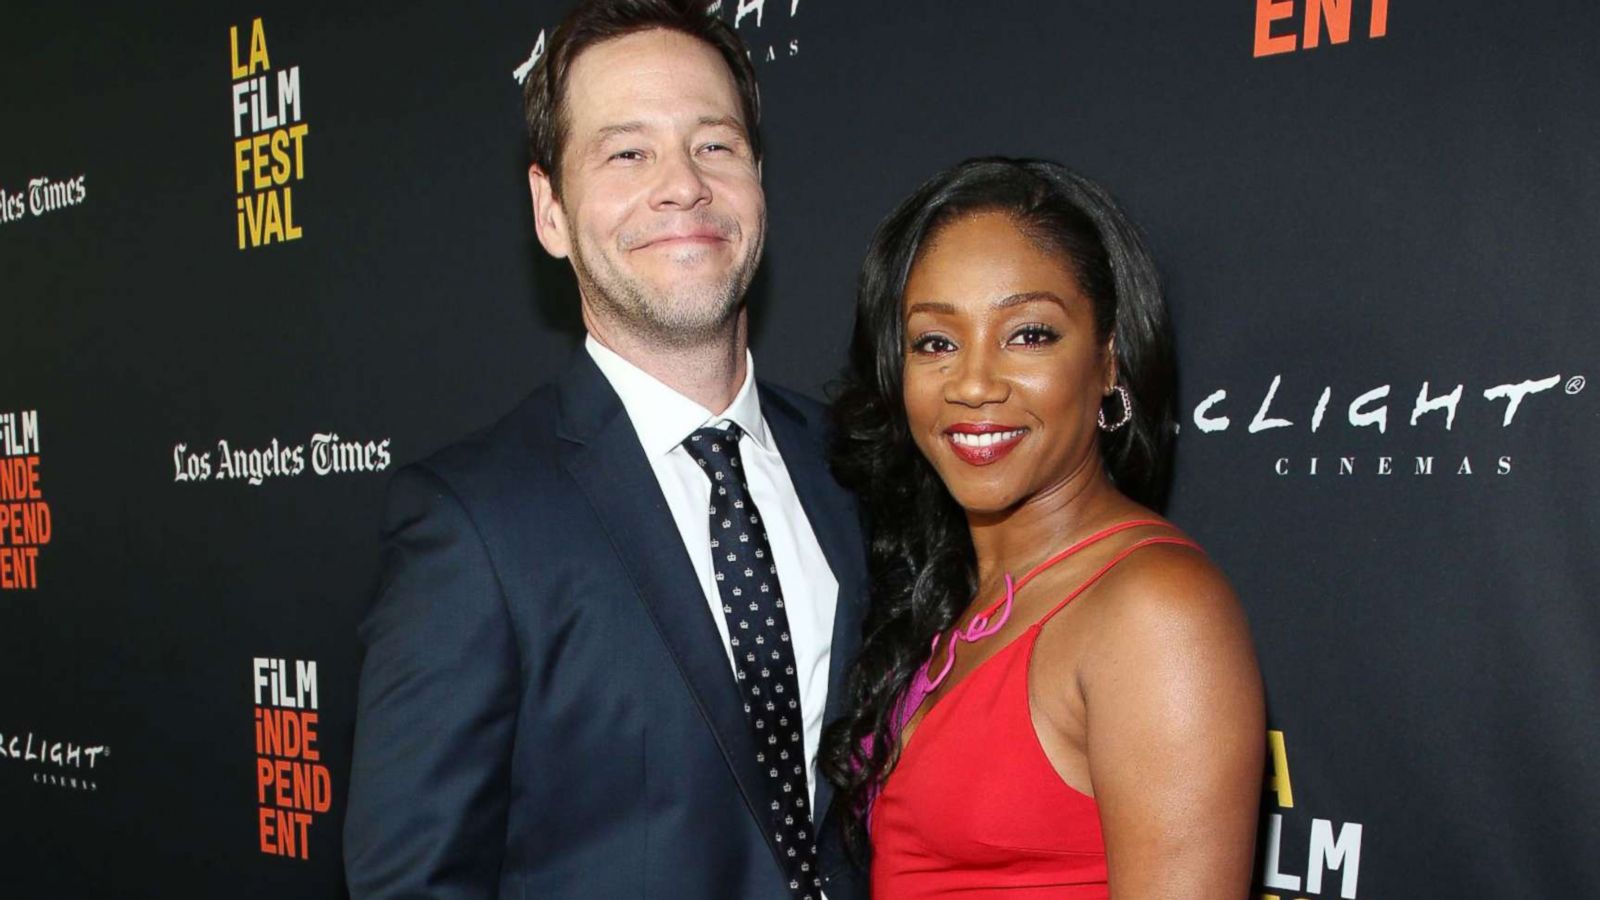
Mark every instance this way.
x=595 y=21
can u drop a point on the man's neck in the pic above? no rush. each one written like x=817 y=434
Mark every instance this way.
x=709 y=372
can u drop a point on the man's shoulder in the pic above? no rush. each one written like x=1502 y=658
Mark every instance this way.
x=806 y=411
x=492 y=459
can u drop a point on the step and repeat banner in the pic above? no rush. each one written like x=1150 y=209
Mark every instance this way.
x=256 y=257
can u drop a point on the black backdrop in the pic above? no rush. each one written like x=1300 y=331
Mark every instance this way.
x=1382 y=218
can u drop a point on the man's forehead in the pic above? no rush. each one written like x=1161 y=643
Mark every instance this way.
x=628 y=80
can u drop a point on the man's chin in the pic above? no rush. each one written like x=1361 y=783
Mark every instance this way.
x=687 y=318
x=698 y=269
x=693 y=299
x=672 y=304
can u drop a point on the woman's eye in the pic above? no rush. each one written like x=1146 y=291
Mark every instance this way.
x=932 y=343
x=1035 y=336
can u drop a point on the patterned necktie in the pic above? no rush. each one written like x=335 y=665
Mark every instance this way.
x=763 y=655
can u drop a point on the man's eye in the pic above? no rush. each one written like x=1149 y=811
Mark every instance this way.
x=932 y=343
x=628 y=155
x=1035 y=336
x=716 y=148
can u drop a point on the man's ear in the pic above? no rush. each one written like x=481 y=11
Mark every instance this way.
x=548 y=218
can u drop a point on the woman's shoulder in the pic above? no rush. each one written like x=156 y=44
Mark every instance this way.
x=1166 y=568
x=1166 y=596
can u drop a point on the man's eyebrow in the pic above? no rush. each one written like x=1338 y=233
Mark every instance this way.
x=722 y=121
x=613 y=130
x=606 y=132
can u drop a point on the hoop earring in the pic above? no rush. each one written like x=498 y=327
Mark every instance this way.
x=1127 y=410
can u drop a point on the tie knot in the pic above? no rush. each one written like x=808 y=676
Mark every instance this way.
x=715 y=449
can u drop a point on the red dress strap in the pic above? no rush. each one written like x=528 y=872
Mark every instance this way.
x=1109 y=565
x=993 y=617
x=1089 y=541
x=1092 y=539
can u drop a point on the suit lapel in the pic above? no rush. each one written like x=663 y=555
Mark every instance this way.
x=833 y=518
x=609 y=465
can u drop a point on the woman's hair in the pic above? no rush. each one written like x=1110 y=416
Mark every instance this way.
x=922 y=564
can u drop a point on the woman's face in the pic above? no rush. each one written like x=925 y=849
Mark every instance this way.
x=1003 y=371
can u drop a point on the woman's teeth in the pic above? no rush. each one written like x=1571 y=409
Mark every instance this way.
x=987 y=439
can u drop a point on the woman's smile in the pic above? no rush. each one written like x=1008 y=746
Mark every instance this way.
x=982 y=443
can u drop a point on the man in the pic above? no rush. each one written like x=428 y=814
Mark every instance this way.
x=610 y=627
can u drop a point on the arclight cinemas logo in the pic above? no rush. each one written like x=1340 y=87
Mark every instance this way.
x=1383 y=409
x=326 y=453
x=57 y=763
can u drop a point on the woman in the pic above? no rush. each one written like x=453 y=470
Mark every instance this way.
x=1057 y=694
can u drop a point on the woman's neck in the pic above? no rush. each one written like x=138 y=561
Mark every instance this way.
x=1014 y=541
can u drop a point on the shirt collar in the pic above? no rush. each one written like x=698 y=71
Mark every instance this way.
x=664 y=418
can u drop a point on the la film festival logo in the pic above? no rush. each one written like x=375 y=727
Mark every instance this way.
x=269 y=142
x=72 y=765
x=25 y=523
x=1388 y=410
x=326 y=452
x=44 y=195
x=750 y=17
x=293 y=787
x=1330 y=847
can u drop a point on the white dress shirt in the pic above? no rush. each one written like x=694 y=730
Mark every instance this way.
x=663 y=419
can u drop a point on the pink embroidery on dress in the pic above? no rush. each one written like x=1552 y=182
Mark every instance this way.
x=976 y=630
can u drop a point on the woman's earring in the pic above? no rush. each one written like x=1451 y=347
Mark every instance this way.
x=1127 y=410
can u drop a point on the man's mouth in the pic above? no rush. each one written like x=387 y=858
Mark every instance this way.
x=692 y=230
x=678 y=240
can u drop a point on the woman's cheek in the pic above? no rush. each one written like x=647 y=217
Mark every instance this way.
x=922 y=409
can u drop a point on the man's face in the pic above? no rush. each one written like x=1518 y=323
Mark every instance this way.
x=661 y=209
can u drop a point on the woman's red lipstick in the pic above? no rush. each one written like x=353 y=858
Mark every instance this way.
x=982 y=443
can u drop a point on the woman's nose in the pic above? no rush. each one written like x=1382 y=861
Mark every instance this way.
x=976 y=380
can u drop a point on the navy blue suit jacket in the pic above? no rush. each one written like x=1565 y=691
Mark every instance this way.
x=546 y=708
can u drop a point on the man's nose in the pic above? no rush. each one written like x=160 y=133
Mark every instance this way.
x=680 y=184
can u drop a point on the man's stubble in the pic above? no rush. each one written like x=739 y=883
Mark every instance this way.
x=678 y=316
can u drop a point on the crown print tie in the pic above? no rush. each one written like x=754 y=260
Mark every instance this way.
x=763 y=653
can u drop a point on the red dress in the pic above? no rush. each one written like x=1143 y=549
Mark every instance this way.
x=973 y=808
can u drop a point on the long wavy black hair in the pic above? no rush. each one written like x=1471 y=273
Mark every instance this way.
x=923 y=568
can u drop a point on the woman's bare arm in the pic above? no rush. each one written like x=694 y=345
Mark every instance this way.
x=1175 y=729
